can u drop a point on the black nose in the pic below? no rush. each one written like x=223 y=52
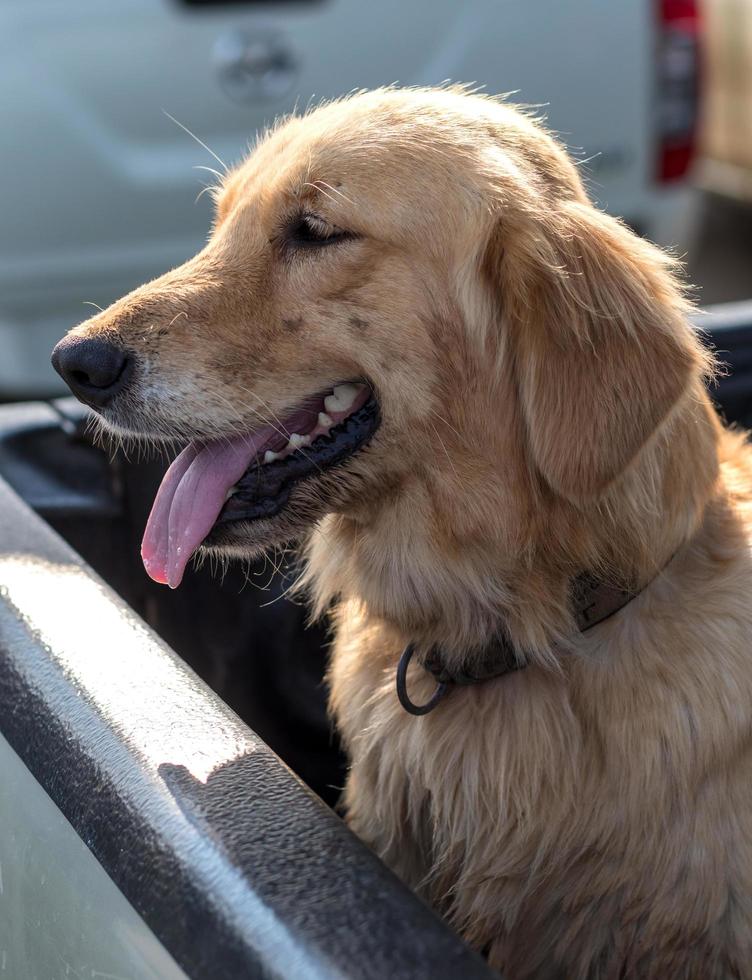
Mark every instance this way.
x=94 y=370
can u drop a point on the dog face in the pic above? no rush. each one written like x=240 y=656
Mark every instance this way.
x=413 y=285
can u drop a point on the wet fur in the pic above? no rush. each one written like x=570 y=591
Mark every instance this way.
x=544 y=413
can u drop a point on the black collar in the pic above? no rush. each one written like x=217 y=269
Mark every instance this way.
x=593 y=602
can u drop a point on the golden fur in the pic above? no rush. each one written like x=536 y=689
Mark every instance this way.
x=544 y=413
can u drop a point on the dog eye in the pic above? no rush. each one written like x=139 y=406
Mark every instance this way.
x=310 y=231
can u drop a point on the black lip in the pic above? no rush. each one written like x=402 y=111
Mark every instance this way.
x=265 y=489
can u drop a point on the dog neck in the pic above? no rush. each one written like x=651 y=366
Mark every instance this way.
x=592 y=603
x=453 y=588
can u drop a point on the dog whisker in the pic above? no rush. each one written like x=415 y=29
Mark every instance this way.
x=200 y=142
x=442 y=419
x=334 y=190
x=321 y=191
x=210 y=189
x=220 y=177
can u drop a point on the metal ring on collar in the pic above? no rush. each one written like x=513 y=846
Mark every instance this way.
x=404 y=697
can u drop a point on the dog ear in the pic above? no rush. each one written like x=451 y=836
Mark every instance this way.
x=601 y=342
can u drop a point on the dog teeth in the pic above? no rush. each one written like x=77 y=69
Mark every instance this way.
x=231 y=493
x=342 y=397
x=296 y=441
x=339 y=402
x=346 y=394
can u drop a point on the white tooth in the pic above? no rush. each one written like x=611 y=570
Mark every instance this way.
x=296 y=441
x=269 y=456
x=325 y=421
x=345 y=395
x=331 y=404
x=231 y=492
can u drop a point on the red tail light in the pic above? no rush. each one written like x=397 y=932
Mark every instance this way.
x=678 y=90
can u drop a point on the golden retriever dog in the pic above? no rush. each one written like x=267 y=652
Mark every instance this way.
x=414 y=346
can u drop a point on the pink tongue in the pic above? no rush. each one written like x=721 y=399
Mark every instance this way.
x=190 y=497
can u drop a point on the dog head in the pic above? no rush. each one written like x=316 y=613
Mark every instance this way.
x=413 y=285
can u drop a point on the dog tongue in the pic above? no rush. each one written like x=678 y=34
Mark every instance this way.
x=190 y=497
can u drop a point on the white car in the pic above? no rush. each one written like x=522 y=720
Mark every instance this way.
x=97 y=182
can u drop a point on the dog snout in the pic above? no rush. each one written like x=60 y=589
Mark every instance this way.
x=95 y=370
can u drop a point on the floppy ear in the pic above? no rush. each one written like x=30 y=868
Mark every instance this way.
x=602 y=347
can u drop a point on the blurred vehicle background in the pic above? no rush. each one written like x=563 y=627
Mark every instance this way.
x=722 y=261
x=727 y=119
x=98 y=177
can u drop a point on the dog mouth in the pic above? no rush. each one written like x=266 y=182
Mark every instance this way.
x=215 y=483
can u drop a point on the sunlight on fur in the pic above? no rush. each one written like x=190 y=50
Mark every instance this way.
x=543 y=413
